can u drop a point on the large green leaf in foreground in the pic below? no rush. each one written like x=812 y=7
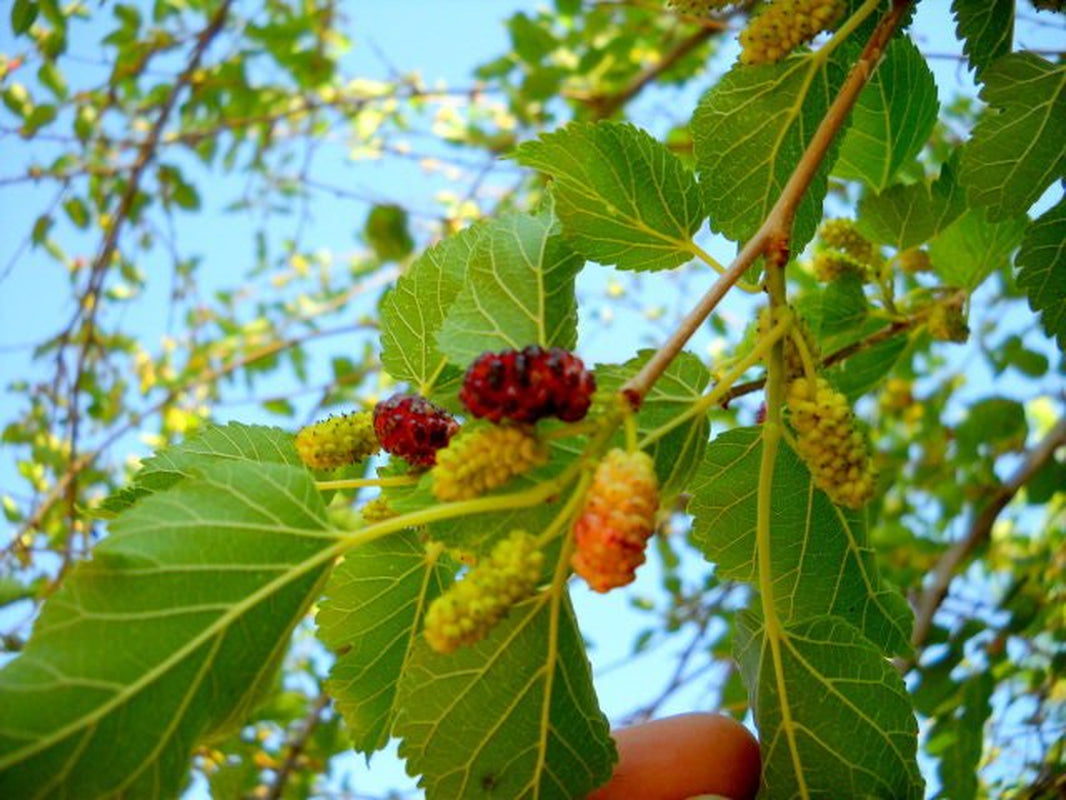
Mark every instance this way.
x=833 y=714
x=515 y=716
x=821 y=563
x=167 y=635
x=371 y=617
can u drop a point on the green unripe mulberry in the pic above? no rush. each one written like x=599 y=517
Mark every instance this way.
x=472 y=607
x=484 y=459
x=783 y=25
x=337 y=441
x=829 y=443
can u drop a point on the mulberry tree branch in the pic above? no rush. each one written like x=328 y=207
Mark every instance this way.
x=980 y=531
x=772 y=238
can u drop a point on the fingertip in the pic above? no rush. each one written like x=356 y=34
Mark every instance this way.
x=684 y=756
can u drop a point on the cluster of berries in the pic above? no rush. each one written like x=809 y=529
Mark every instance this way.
x=784 y=25
x=844 y=251
x=472 y=607
x=829 y=443
x=617 y=520
x=521 y=386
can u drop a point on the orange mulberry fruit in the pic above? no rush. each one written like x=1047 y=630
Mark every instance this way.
x=484 y=459
x=617 y=520
x=472 y=607
x=337 y=441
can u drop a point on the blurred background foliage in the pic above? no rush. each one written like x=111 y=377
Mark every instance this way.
x=204 y=201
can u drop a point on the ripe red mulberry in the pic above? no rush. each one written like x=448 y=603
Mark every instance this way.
x=527 y=385
x=412 y=427
x=618 y=519
x=337 y=441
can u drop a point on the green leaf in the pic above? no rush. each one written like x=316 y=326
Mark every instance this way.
x=370 y=617
x=23 y=14
x=995 y=423
x=677 y=454
x=233 y=442
x=821 y=561
x=833 y=714
x=518 y=290
x=386 y=232
x=957 y=738
x=860 y=373
x=749 y=132
x=892 y=119
x=1017 y=149
x=1041 y=264
x=414 y=310
x=986 y=28
x=971 y=248
x=904 y=216
x=13 y=590
x=621 y=196
x=841 y=306
x=514 y=716
x=168 y=635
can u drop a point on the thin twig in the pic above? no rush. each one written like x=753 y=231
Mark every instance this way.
x=295 y=747
x=605 y=105
x=979 y=533
x=83 y=323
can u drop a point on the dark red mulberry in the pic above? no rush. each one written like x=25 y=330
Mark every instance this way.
x=527 y=385
x=410 y=426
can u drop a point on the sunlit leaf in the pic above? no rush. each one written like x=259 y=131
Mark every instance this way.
x=822 y=563
x=833 y=714
x=414 y=310
x=622 y=197
x=518 y=290
x=233 y=442
x=892 y=119
x=750 y=130
x=169 y=634
x=371 y=617
x=513 y=716
x=1026 y=97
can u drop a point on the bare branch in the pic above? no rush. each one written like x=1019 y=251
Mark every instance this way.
x=980 y=531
